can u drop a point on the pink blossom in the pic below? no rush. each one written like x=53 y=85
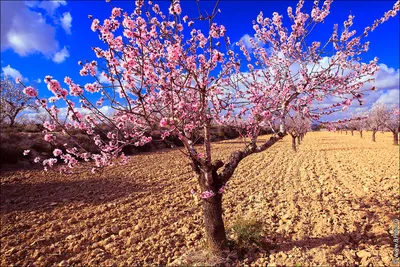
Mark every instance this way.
x=54 y=86
x=95 y=25
x=57 y=152
x=43 y=102
x=116 y=12
x=48 y=137
x=207 y=194
x=75 y=90
x=164 y=122
x=68 y=80
x=347 y=102
x=92 y=87
x=49 y=126
x=222 y=189
x=164 y=135
x=63 y=93
x=30 y=91
x=50 y=162
x=177 y=9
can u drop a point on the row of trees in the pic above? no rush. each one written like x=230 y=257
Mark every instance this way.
x=379 y=118
x=167 y=74
x=297 y=126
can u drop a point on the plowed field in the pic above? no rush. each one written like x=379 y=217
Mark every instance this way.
x=332 y=203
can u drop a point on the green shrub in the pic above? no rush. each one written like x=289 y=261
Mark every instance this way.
x=247 y=231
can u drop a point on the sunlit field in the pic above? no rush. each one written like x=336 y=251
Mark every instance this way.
x=333 y=202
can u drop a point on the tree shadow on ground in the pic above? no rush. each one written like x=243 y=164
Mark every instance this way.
x=353 y=239
x=50 y=194
x=363 y=236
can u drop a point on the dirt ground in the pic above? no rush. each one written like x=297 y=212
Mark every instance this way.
x=332 y=203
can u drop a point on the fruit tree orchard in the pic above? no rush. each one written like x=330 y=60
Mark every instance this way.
x=168 y=76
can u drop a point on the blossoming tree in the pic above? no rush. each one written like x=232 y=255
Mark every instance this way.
x=391 y=121
x=358 y=123
x=297 y=126
x=375 y=119
x=167 y=76
x=13 y=101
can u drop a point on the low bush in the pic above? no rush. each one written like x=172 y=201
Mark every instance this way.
x=248 y=236
x=10 y=153
x=32 y=128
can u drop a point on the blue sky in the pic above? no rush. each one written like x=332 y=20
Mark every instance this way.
x=40 y=38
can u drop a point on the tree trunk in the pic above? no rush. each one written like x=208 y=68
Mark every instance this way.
x=373 y=136
x=361 y=134
x=214 y=225
x=298 y=140
x=12 y=121
x=282 y=126
x=212 y=212
x=396 y=138
x=294 y=143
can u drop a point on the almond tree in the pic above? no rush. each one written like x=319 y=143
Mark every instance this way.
x=358 y=123
x=375 y=119
x=13 y=100
x=391 y=121
x=161 y=80
x=297 y=126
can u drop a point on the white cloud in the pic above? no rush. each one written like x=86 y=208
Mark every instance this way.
x=103 y=80
x=387 y=78
x=107 y=110
x=61 y=56
x=11 y=72
x=66 y=21
x=389 y=98
x=49 y=6
x=24 y=29
x=245 y=40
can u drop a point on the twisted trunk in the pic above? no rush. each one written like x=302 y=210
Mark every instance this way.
x=210 y=180
x=12 y=121
x=294 y=143
x=373 y=136
x=213 y=223
x=396 y=138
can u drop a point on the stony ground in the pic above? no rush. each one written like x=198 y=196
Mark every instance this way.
x=332 y=204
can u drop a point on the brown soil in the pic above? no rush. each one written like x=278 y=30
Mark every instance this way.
x=331 y=203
